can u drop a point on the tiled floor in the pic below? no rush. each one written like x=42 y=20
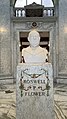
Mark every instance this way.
x=60 y=97
x=8 y=101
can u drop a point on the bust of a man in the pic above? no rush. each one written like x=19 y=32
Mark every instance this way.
x=34 y=53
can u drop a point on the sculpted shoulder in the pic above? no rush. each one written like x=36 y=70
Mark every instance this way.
x=26 y=49
x=43 y=49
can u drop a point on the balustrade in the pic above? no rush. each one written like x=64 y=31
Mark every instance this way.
x=47 y=11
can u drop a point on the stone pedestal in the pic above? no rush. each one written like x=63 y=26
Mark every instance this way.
x=34 y=91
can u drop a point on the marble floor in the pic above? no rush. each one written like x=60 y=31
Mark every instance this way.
x=8 y=101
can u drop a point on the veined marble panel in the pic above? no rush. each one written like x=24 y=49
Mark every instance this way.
x=34 y=91
x=5 y=37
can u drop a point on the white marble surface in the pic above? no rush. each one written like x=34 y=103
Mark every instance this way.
x=5 y=39
x=34 y=53
x=40 y=106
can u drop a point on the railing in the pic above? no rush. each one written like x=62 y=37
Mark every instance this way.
x=47 y=11
x=19 y=12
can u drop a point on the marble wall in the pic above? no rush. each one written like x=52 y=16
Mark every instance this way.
x=62 y=40
x=5 y=39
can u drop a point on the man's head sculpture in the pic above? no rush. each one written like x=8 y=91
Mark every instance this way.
x=34 y=38
x=34 y=53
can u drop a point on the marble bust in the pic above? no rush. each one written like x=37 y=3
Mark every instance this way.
x=34 y=53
